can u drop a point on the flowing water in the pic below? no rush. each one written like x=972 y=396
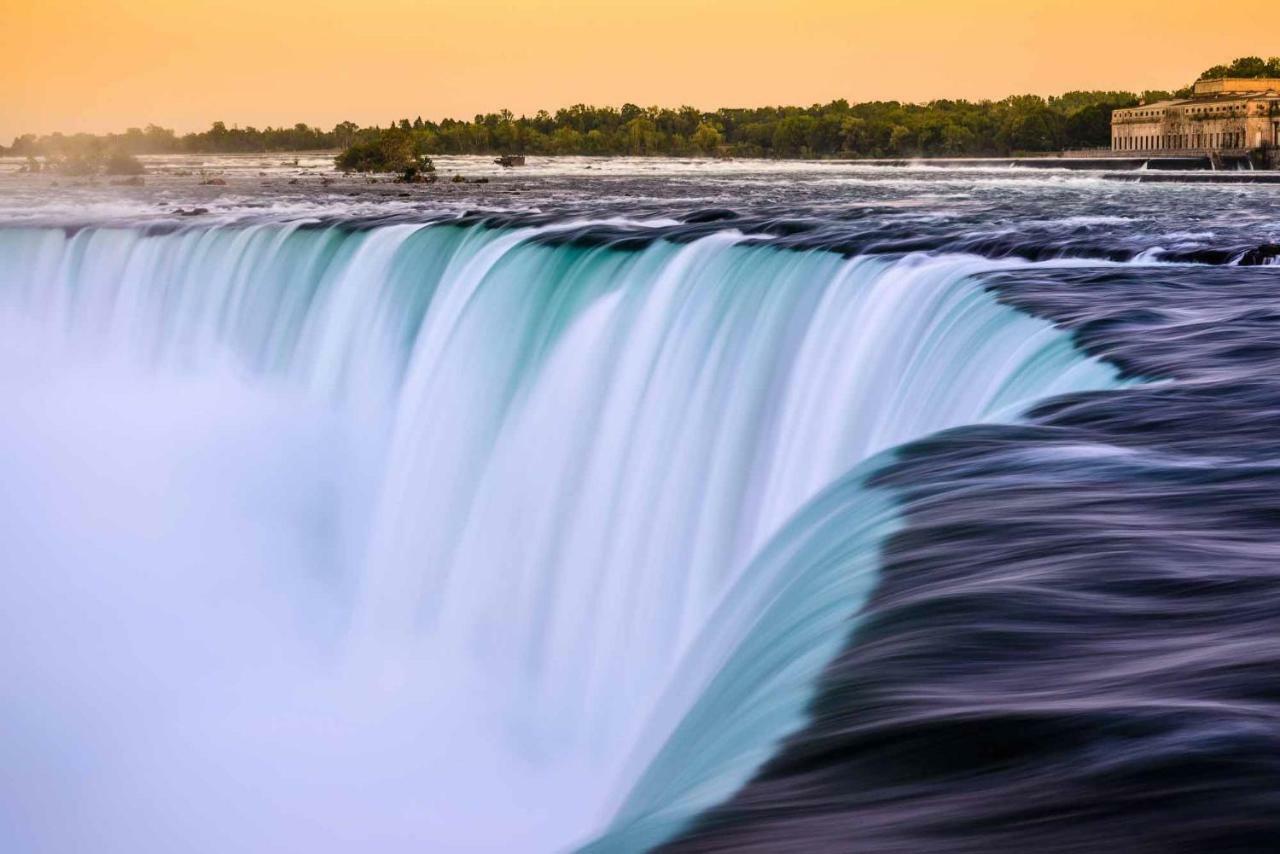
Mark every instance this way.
x=336 y=520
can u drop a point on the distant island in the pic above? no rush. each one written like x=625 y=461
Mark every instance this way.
x=1019 y=124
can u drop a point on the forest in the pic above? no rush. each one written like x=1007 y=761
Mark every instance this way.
x=1019 y=124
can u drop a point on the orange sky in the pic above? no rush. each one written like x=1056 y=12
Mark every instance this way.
x=94 y=65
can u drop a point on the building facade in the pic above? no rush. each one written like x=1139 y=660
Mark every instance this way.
x=1231 y=115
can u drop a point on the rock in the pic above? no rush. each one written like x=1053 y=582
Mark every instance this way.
x=192 y=212
x=710 y=215
x=1260 y=255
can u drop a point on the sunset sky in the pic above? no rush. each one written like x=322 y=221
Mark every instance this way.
x=91 y=65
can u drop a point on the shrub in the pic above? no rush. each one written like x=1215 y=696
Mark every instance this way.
x=123 y=163
x=392 y=150
x=77 y=165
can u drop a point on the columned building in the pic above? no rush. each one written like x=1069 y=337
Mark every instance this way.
x=1235 y=115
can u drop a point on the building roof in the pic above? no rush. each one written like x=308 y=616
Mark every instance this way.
x=1218 y=98
x=1237 y=85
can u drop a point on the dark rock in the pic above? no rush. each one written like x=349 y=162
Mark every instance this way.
x=1260 y=255
x=710 y=215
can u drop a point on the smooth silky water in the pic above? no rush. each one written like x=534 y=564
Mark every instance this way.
x=436 y=537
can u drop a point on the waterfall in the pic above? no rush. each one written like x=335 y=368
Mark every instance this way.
x=449 y=536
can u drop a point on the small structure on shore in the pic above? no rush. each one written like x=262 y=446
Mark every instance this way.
x=510 y=160
x=1224 y=118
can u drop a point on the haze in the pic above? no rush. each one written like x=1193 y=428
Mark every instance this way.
x=89 y=65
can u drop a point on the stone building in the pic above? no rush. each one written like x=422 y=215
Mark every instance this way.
x=1228 y=115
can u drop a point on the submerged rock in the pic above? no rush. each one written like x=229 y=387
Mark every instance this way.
x=1265 y=253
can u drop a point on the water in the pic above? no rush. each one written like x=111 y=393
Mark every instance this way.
x=338 y=519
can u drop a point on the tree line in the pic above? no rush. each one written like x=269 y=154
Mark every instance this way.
x=1024 y=123
x=1014 y=125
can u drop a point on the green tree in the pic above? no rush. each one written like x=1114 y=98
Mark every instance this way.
x=901 y=139
x=393 y=150
x=1090 y=127
x=1245 y=66
x=707 y=138
x=791 y=136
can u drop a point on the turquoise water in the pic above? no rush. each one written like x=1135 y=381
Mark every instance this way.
x=481 y=542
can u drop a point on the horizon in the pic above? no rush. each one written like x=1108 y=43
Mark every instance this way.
x=1049 y=97
x=552 y=110
x=84 y=68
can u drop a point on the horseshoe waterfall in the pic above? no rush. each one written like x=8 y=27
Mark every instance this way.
x=350 y=537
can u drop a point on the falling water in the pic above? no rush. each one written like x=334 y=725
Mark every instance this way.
x=325 y=538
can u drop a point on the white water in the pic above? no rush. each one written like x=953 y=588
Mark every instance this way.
x=436 y=539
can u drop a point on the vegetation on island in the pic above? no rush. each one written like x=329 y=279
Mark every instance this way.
x=87 y=163
x=393 y=150
x=1019 y=124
